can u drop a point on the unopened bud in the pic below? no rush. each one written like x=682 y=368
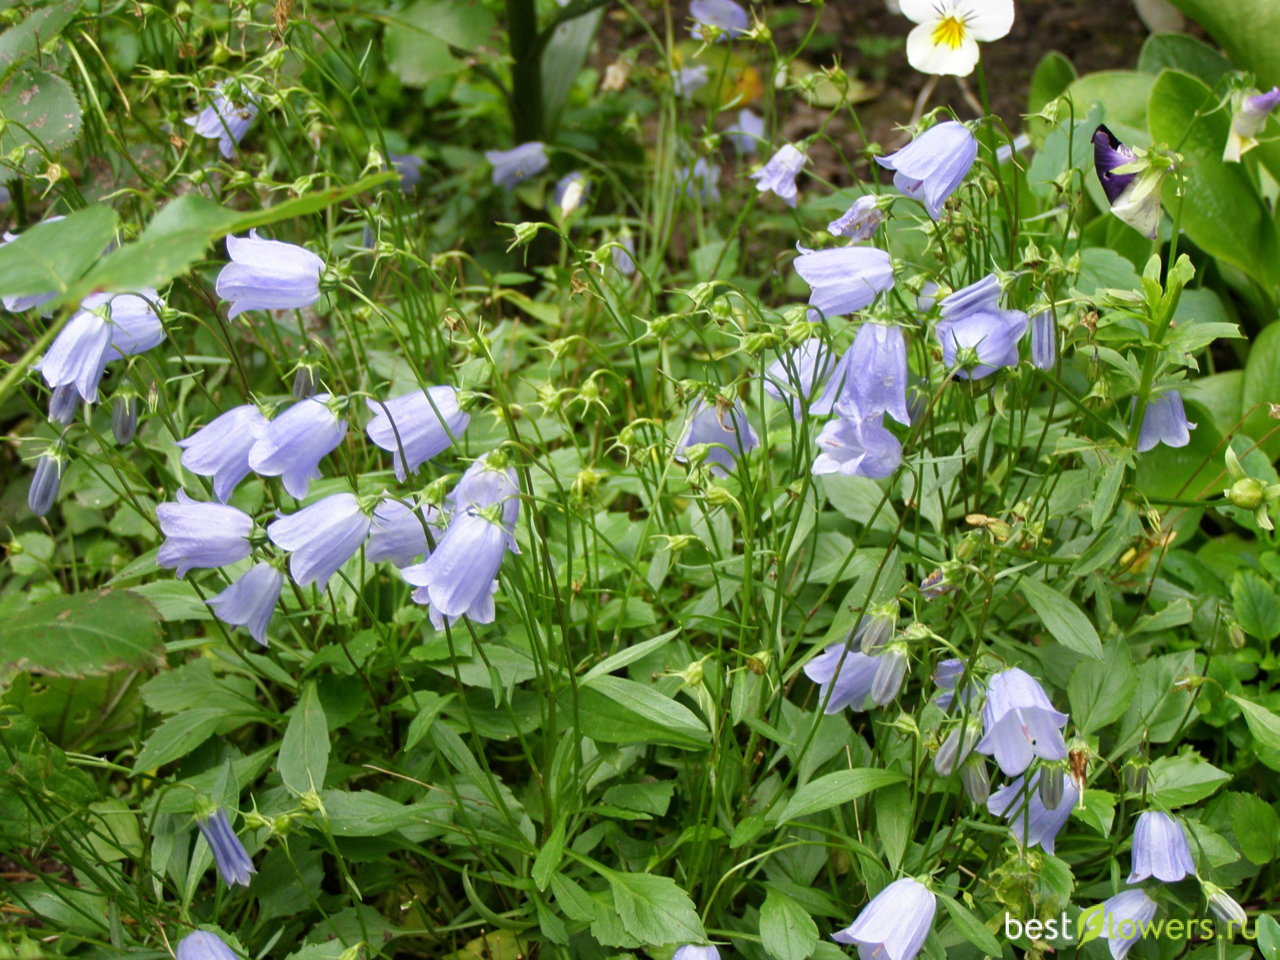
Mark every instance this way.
x=1052 y=781
x=1246 y=494
x=1224 y=906
x=124 y=417
x=63 y=403
x=44 y=484
x=890 y=673
x=977 y=785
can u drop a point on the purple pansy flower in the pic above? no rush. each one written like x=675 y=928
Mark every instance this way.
x=201 y=534
x=250 y=601
x=1160 y=849
x=268 y=275
x=844 y=279
x=1020 y=722
x=220 y=449
x=726 y=431
x=1134 y=196
x=1165 y=421
x=779 y=174
x=228 y=852
x=292 y=445
x=321 y=537
x=518 y=164
x=894 y=925
x=1248 y=120
x=931 y=166
x=415 y=427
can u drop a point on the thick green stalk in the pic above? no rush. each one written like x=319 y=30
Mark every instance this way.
x=526 y=70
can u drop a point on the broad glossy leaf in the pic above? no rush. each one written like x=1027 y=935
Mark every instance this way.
x=82 y=634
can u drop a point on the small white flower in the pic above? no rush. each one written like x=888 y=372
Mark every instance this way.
x=946 y=40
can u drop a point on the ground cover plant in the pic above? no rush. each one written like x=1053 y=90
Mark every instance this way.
x=503 y=480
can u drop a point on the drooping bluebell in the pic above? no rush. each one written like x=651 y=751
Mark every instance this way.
x=891 y=670
x=321 y=537
x=779 y=174
x=202 y=945
x=570 y=190
x=292 y=444
x=1160 y=849
x=268 y=275
x=417 y=426
x=397 y=533
x=871 y=377
x=202 y=535
x=724 y=429
x=1165 y=421
x=701 y=180
x=856 y=446
x=894 y=925
x=846 y=673
x=124 y=416
x=251 y=600
x=1020 y=722
x=796 y=376
x=518 y=164
x=460 y=576
x=220 y=449
x=234 y=864
x=224 y=121
x=728 y=19
x=957 y=746
x=931 y=166
x=45 y=482
x=844 y=279
x=64 y=401
x=1033 y=823
x=1044 y=341
x=860 y=221
x=1126 y=916
x=977 y=335
x=409 y=167
x=747 y=133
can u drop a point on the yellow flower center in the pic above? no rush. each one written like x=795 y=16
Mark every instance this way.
x=949 y=32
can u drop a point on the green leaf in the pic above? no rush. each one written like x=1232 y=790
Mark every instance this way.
x=41 y=114
x=1100 y=690
x=1122 y=94
x=363 y=813
x=628 y=656
x=617 y=710
x=786 y=929
x=419 y=42
x=1069 y=626
x=894 y=810
x=82 y=635
x=50 y=257
x=1186 y=778
x=1256 y=826
x=1220 y=208
x=549 y=855
x=562 y=61
x=1053 y=74
x=178 y=736
x=1178 y=51
x=836 y=788
x=971 y=927
x=23 y=41
x=1256 y=604
x=1263 y=724
x=1248 y=30
x=304 y=751
x=1267 y=930
x=654 y=909
x=1262 y=388
x=184 y=229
